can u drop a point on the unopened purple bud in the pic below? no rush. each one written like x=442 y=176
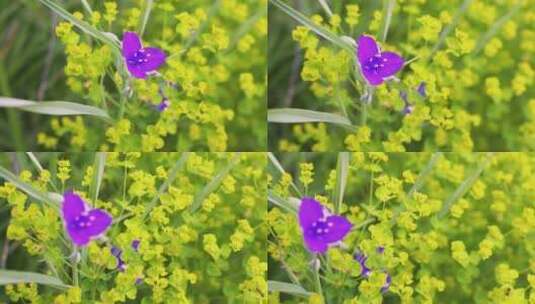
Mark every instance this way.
x=421 y=89
x=135 y=244
x=162 y=106
x=408 y=109
x=380 y=249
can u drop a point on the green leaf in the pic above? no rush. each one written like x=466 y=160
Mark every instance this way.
x=342 y=168
x=98 y=173
x=82 y=25
x=214 y=183
x=147 y=8
x=289 y=115
x=289 y=288
x=321 y=31
x=279 y=167
x=388 y=9
x=14 y=277
x=326 y=7
x=290 y=205
x=53 y=107
x=52 y=199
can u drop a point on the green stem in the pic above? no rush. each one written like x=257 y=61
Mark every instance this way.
x=75 y=268
x=460 y=12
x=319 y=289
x=13 y=116
x=464 y=186
x=388 y=8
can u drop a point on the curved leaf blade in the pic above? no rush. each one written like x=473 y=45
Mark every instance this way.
x=289 y=115
x=277 y=286
x=60 y=108
x=14 y=277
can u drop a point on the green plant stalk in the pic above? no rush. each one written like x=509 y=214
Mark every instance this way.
x=13 y=117
x=496 y=27
x=326 y=8
x=420 y=181
x=464 y=186
x=460 y=12
x=388 y=9
x=146 y=13
x=275 y=162
x=319 y=289
x=342 y=166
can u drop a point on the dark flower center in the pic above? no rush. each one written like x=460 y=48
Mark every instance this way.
x=374 y=64
x=320 y=228
x=83 y=221
x=138 y=58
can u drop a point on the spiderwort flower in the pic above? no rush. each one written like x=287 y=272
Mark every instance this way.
x=81 y=222
x=140 y=60
x=375 y=65
x=320 y=228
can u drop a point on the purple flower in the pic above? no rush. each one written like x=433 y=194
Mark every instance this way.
x=81 y=222
x=140 y=60
x=320 y=228
x=375 y=65
x=366 y=272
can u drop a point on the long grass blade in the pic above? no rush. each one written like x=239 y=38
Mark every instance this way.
x=98 y=174
x=289 y=115
x=388 y=9
x=15 y=277
x=289 y=288
x=59 y=108
x=279 y=167
x=146 y=13
x=342 y=168
x=291 y=205
x=326 y=34
x=82 y=25
x=52 y=199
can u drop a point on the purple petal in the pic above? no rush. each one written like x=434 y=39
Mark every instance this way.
x=338 y=230
x=380 y=249
x=101 y=221
x=79 y=237
x=136 y=71
x=366 y=48
x=392 y=64
x=155 y=58
x=73 y=206
x=315 y=244
x=310 y=211
x=372 y=77
x=131 y=44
